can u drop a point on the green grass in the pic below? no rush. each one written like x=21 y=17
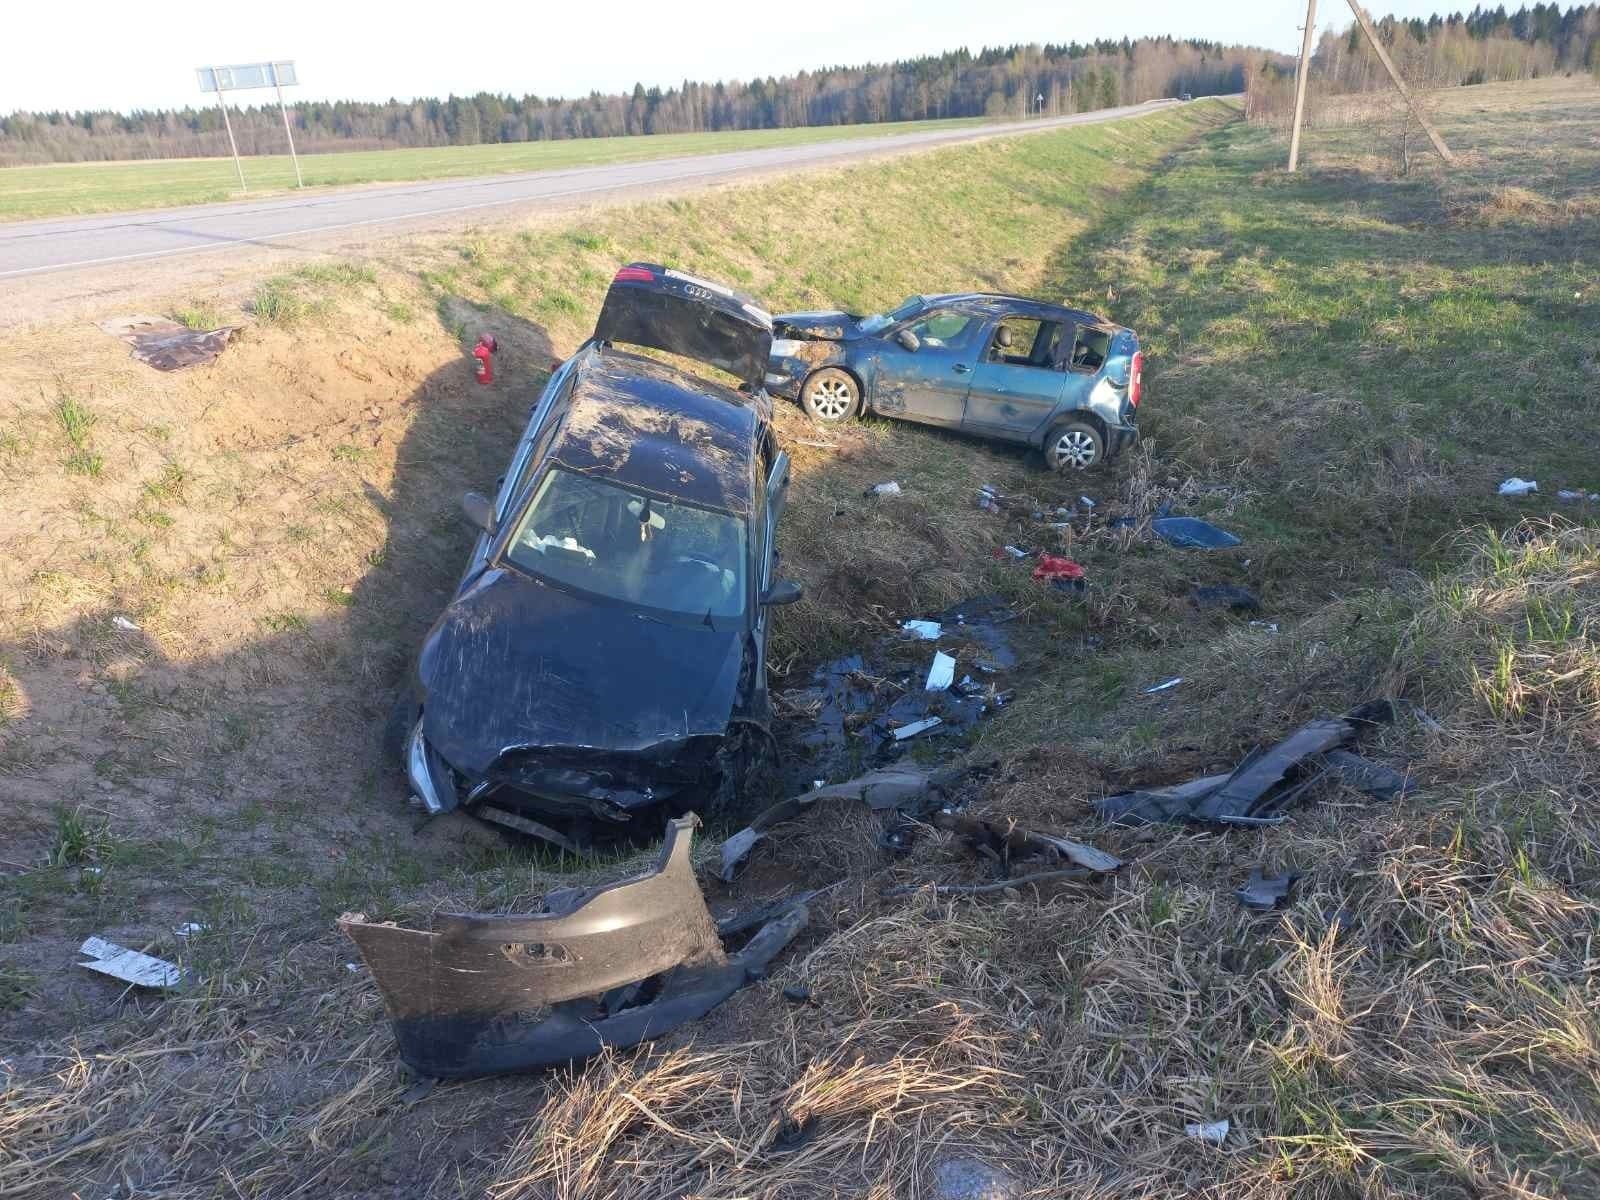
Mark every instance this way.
x=76 y=188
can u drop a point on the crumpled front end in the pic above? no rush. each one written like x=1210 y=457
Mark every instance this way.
x=482 y=994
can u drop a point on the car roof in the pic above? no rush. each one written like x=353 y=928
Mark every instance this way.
x=992 y=304
x=641 y=422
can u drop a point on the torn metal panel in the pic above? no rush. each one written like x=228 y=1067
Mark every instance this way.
x=167 y=345
x=481 y=994
x=130 y=966
x=1243 y=793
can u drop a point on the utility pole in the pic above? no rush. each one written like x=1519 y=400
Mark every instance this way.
x=1300 y=85
x=232 y=145
x=1400 y=84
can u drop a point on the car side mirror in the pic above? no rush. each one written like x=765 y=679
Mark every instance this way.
x=785 y=591
x=479 y=511
x=908 y=340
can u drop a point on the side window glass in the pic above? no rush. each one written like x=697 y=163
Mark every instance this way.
x=1089 y=349
x=1025 y=342
x=941 y=329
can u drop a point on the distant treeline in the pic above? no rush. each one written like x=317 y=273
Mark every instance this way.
x=1484 y=46
x=994 y=83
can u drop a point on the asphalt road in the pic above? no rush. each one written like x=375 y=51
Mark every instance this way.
x=85 y=243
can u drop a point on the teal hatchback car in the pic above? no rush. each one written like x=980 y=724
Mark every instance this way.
x=1002 y=367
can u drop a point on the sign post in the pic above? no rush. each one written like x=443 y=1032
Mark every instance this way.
x=242 y=78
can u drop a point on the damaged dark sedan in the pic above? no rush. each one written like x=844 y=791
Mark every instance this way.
x=602 y=665
x=1002 y=367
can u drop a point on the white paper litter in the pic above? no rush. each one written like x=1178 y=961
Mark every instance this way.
x=891 y=488
x=1215 y=1132
x=916 y=727
x=1161 y=687
x=188 y=929
x=942 y=673
x=124 y=624
x=130 y=966
x=1518 y=487
x=928 y=631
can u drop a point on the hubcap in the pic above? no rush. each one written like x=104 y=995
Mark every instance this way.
x=831 y=398
x=1075 y=449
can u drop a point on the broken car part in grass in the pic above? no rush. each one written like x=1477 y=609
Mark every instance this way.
x=167 y=345
x=1268 y=781
x=606 y=966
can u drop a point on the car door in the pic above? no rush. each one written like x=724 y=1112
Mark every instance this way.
x=1016 y=387
x=928 y=384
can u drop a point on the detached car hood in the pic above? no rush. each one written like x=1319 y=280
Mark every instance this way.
x=819 y=326
x=514 y=662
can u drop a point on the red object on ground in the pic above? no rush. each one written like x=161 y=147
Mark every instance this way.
x=1056 y=566
x=484 y=353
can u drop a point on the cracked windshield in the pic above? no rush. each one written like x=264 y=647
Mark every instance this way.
x=632 y=546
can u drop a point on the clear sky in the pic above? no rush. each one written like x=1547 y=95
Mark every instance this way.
x=120 y=54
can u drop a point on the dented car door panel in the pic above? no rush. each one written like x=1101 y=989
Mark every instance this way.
x=928 y=384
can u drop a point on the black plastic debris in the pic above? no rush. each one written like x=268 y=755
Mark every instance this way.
x=1151 y=806
x=1375 y=779
x=1010 y=843
x=1263 y=894
x=1249 y=792
x=796 y=993
x=1225 y=595
x=1192 y=533
x=167 y=345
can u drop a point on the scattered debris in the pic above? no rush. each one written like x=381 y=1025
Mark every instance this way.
x=1267 y=781
x=908 y=789
x=941 y=674
x=1165 y=685
x=1016 y=552
x=1518 y=487
x=124 y=624
x=1006 y=845
x=188 y=929
x=1263 y=894
x=915 y=727
x=1085 y=501
x=989 y=499
x=130 y=966
x=1577 y=496
x=1192 y=533
x=1056 y=567
x=797 y=993
x=1269 y=626
x=167 y=345
x=606 y=966
x=1214 y=1132
x=927 y=631
x=1225 y=595
x=889 y=488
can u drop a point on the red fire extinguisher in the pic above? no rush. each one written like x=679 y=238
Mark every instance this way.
x=484 y=353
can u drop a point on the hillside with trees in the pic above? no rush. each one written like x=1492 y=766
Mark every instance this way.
x=995 y=83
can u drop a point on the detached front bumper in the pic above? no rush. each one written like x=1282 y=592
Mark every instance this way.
x=607 y=966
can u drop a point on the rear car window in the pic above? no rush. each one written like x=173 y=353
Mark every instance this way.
x=1089 y=349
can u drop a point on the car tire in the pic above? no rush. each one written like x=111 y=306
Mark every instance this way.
x=1074 y=446
x=402 y=719
x=830 y=395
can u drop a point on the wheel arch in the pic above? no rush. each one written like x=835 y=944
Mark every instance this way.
x=840 y=365
x=1067 y=415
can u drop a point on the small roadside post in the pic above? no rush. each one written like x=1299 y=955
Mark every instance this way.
x=276 y=75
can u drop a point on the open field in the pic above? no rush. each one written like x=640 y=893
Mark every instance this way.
x=1342 y=365
x=62 y=189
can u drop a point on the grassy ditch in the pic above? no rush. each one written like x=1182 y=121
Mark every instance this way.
x=1327 y=356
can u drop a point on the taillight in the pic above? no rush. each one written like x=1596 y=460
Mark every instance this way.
x=633 y=275
x=1136 y=378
